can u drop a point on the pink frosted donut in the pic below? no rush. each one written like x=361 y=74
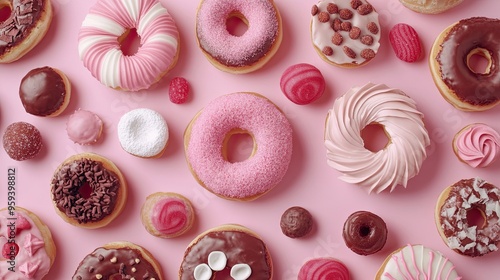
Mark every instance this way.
x=302 y=83
x=107 y=24
x=238 y=54
x=205 y=142
x=323 y=269
x=84 y=127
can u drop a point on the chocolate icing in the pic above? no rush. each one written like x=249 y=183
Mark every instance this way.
x=465 y=195
x=66 y=193
x=238 y=246
x=109 y=263
x=296 y=222
x=364 y=233
x=24 y=15
x=42 y=91
x=465 y=36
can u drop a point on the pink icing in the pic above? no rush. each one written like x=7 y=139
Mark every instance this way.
x=170 y=215
x=271 y=131
x=478 y=145
x=158 y=39
x=84 y=127
x=263 y=25
x=32 y=261
x=323 y=269
x=302 y=83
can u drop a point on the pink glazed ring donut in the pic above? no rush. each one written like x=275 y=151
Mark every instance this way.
x=238 y=54
x=205 y=143
x=108 y=23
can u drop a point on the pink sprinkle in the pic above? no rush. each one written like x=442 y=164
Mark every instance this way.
x=178 y=90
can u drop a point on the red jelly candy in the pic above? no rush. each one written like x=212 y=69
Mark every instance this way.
x=405 y=42
x=178 y=90
x=10 y=250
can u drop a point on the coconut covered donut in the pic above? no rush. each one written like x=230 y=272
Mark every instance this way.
x=452 y=208
x=403 y=123
x=232 y=247
x=25 y=27
x=205 y=143
x=108 y=23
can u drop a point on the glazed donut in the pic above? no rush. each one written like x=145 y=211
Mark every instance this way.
x=119 y=260
x=238 y=54
x=143 y=132
x=205 y=143
x=323 y=269
x=397 y=113
x=452 y=208
x=477 y=145
x=88 y=190
x=418 y=261
x=28 y=250
x=22 y=141
x=345 y=33
x=430 y=7
x=449 y=63
x=167 y=215
x=232 y=247
x=45 y=91
x=26 y=26
x=364 y=233
x=84 y=127
x=108 y=23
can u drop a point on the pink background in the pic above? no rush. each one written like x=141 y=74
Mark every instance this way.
x=310 y=182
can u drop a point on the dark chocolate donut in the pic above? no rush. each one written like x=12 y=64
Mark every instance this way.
x=364 y=233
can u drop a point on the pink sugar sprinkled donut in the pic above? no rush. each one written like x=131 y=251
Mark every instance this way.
x=323 y=269
x=238 y=54
x=302 y=83
x=205 y=144
x=102 y=30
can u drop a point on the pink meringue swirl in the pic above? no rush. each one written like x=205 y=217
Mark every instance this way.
x=477 y=144
x=170 y=215
x=323 y=269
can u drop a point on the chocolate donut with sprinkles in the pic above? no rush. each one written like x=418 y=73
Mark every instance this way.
x=88 y=190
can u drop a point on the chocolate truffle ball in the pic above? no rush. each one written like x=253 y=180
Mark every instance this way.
x=296 y=222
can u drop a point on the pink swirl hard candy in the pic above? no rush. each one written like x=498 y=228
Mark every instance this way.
x=405 y=42
x=302 y=83
x=323 y=269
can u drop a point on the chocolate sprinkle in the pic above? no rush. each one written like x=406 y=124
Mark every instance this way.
x=71 y=177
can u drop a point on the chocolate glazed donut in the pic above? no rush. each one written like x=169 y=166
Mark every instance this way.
x=364 y=233
x=452 y=73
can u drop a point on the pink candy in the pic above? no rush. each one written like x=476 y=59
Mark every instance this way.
x=302 y=83
x=323 y=269
x=405 y=42
x=178 y=90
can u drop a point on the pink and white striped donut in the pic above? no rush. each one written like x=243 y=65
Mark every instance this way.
x=205 y=143
x=104 y=27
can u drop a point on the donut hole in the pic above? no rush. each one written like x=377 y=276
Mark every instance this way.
x=236 y=24
x=5 y=11
x=130 y=42
x=85 y=190
x=374 y=137
x=476 y=217
x=479 y=61
x=364 y=231
x=239 y=145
